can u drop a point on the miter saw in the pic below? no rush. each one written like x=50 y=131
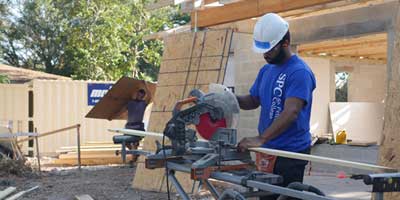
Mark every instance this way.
x=214 y=116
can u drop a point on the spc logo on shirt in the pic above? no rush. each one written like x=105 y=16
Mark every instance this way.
x=277 y=92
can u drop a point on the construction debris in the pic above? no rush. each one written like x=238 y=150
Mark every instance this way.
x=20 y=194
x=83 y=197
x=18 y=167
x=6 y=192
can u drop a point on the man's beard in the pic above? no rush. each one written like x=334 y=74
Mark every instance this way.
x=278 y=58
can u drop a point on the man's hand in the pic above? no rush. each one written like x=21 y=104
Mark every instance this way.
x=249 y=142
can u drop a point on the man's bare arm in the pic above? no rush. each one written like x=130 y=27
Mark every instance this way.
x=290 y=113
x=248 y=102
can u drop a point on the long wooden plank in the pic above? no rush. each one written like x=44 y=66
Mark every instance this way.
x=89 y=161
x=312 y=158
x=105 y=152
x=90 y=156
x=248 y=9
x=341 y=24
x=51 y=132
x=6 y=192
x=12 y=135
x=325 y=160
x=93 y=147
x=135 y=132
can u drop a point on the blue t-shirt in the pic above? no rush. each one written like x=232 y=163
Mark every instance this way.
x=276 y=83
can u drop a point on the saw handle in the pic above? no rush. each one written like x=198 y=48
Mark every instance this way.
x=182 y=102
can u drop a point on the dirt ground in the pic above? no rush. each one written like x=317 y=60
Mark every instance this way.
x=114 y=182
x=100 y=182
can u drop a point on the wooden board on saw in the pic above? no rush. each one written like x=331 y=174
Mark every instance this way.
x=190 y=60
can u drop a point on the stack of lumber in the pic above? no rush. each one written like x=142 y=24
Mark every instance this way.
x=92 y=153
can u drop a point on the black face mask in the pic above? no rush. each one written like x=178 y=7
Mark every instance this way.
x=278 y=58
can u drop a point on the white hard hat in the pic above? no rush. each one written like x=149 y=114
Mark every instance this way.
x=268 y=31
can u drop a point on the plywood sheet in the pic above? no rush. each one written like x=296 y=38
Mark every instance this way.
x=362 y=121
x=158 y=121
x=208 y=63
x=118 y=96
x=172 y=79
x=166 y=97
x=180 y=72
x=215 y=43
x=182 y=45
x=174 y=65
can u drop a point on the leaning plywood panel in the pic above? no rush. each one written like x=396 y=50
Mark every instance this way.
x=166 y=97
x=390 y=148
x=207 y=63
x=217 y=43
x=190 y=60
x=172 y=79
x=362 y=121
x=174 y=65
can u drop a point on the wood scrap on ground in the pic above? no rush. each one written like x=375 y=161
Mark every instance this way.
x=6 y=192
x=20 y=194
x=83 y=197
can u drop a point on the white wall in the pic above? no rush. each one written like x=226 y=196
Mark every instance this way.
x=367 y=81
x=321 y=97
x=247 y=65
x=14 y=106
x=57 y=104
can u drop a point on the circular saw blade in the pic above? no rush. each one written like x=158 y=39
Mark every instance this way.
x=220 y=96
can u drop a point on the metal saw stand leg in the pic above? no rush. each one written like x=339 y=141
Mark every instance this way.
x=211 y=188
x=175 y=182
x=379 y=196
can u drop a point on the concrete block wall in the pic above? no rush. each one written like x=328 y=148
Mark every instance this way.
x=247 y=65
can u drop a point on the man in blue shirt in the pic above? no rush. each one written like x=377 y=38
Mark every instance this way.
x=283 y=88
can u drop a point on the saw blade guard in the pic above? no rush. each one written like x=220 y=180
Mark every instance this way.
x=222 y=98
x=226 y=100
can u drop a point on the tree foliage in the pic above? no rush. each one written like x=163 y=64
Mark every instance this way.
x=98 y=40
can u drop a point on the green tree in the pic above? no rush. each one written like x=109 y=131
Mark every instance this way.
x=98 y=40
x=4 y=78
